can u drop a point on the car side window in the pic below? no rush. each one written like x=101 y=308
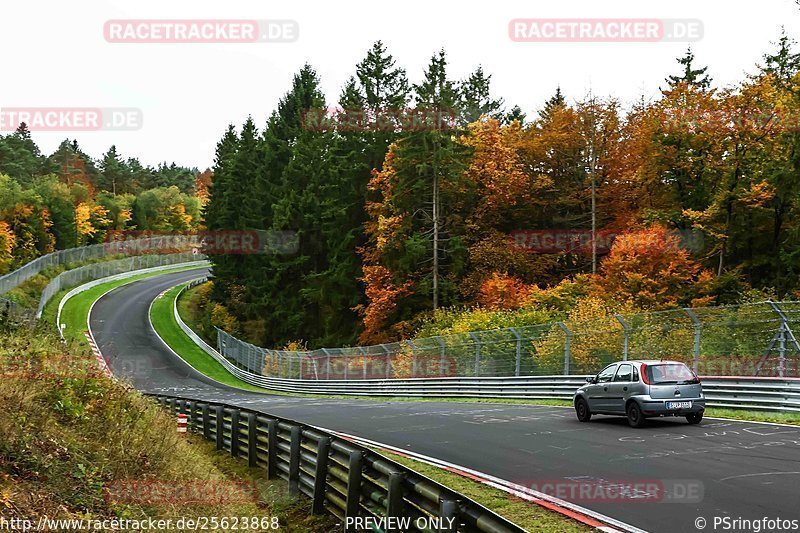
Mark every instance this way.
x=624 y=373
x=634 y=374
x=606 y=374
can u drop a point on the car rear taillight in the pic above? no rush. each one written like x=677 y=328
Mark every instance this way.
x=644 y=374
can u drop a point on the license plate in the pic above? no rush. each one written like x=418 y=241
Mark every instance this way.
x=679 y=405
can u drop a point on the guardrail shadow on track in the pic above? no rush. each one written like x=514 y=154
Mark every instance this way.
x=340 y=477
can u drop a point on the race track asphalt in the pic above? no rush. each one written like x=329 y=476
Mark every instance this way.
x=741 y=469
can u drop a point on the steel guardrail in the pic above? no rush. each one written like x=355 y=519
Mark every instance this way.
x=763 y=394
x=340 y=477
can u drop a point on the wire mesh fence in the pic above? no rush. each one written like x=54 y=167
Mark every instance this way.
x=77 y=276
x=80 y=254
x=11 y=310
x=754 y=339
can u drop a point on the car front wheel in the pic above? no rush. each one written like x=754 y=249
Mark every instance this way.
x=582 y=410
x=635 y=416
x=694 y=418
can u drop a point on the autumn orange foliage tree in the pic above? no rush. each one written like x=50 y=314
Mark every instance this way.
x=651 y=270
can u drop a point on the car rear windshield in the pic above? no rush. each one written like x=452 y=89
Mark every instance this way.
x=675 y=373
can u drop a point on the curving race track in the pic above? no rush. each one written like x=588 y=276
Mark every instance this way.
x=745 y=470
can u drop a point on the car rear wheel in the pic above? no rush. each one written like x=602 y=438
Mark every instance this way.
x=694 y=418
x=635 y=416
x=582 y=410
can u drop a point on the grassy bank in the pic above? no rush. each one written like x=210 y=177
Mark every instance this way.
x=72 y=441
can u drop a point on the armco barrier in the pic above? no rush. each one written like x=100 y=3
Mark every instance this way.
x=339 y=476
x=766 y=394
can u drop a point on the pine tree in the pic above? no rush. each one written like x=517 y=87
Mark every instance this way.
x=690 y=76
x=784 y=63
x=476 y=100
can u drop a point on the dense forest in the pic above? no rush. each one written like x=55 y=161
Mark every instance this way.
x=68 y=199
x=405 y=223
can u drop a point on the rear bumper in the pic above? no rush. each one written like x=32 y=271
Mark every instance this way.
x=659 y=407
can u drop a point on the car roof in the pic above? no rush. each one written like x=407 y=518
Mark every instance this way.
x=653 y=361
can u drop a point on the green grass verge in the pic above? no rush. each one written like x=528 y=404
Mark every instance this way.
x=163 y=318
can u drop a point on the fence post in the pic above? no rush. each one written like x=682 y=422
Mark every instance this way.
x=294 y=461
x=413 y=358
x=252 y=440
x=327 y=363
x=626 y=335
x=477 y=342
x=272 y=448
x=320 y=476
x=567 y=346
x=219 y=426
x=364 y=360
x=234 y=433
x=448 y=512
x=786 y=333
x=441 y=354
x=518 y=358
x=697 y=328
x=354 y=475
x=388 y=361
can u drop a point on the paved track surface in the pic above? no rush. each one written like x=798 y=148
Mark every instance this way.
x=746 y=470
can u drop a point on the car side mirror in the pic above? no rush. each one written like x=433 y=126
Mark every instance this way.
x=590 y=379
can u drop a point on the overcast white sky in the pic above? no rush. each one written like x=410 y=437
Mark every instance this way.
x=55 y=55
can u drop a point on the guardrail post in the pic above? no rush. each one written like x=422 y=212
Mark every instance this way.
x=395 y=503
x=219 y=426
x=182 y=406
x=235 y=433
x=354 y=477
x=294 y=461
x=320 y=476
x=190 y=410
x=518 y=355
x=448 y=515
x=441 y=354
x=272 y=449
x=252 y=440
x=206 y=421
x=477 y=342
x=697 y=328
x=172 y=402
x=567 y=346
x=626 y=332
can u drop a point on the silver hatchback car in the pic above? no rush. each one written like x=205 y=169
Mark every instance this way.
x=642 y=389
